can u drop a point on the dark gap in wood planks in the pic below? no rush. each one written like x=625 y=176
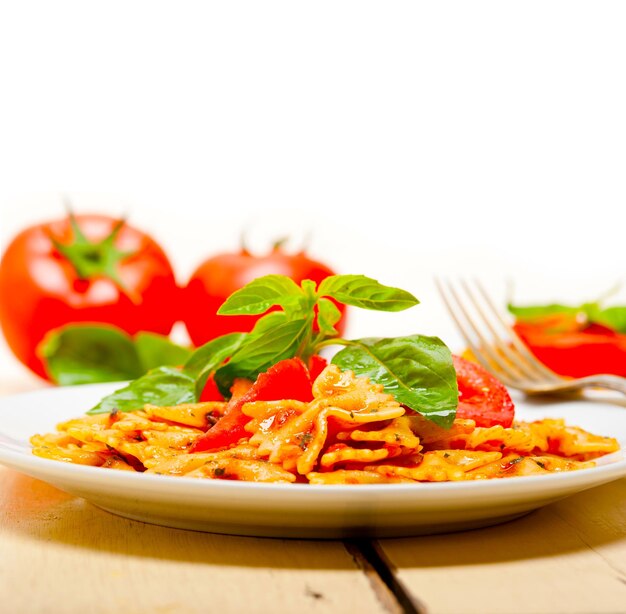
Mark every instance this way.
x=389 y=590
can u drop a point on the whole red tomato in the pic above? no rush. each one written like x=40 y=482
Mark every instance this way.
x=218 y=277
x=86 y=268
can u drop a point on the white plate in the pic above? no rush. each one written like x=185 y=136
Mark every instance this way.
x=298 y=510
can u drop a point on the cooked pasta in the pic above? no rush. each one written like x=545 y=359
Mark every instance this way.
x=352 y=432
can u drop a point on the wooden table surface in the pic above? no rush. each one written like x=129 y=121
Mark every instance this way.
x=59 y=554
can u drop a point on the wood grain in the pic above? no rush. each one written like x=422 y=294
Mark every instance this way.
x=568 y=557
x=62 y=555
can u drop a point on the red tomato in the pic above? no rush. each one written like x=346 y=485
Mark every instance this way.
x=210 y=392
x=317 y=364
x=218 y=277
x=573 y=349
x=482 y=397
x=96 y=270
x=287 y=379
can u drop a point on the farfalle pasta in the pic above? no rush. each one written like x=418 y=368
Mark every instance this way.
x=352 y=432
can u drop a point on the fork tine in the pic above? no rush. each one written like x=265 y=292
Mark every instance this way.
x=468 y=329
x=494 y=344
x=503 y=336
x=497 y=355
x=516 y=342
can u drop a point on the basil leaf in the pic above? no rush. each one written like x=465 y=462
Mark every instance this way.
x=261 y=294
x=269 y=321
x=532 y=312
x=611 y=317
x=88 y=354
x=361 y=291
x=210 y=356
x=260 y=352
x=157 y=350
x=160 y=386
x=328 y=315
x=85 y=354
x=417 y=370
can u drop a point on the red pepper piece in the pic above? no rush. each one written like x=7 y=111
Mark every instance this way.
x=482 y=397
x=287 y=379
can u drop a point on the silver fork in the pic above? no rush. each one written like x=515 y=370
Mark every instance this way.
x=498 y=348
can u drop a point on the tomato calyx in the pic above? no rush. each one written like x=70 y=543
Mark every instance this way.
x=92 y=258
x=276 y=247
x=278 y=244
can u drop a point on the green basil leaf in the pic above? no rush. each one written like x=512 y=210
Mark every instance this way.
x=269 y=321
x=220 y=347
x=611 y=317
x=210 y=356
x=157 y=350
x=160 y=386
x=361 y=291
x=88 y=354
x=85 y=354
x=261 y=294
x=531 y=312
x=417 y=370
x=260 y=352
x=328 y=315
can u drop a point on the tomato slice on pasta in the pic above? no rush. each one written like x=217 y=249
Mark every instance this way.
x=317 y=364
x=482 y=397
x=287 y=379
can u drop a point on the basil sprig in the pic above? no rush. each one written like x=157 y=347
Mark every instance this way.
x=416 y=369
x=593 y=313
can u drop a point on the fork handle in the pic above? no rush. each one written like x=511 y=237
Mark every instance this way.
x=612 y=382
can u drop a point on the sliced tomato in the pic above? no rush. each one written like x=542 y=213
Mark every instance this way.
x=287 y=379
x=577 y=351
x=482 y=397
x=211 y=392
x=317 y=364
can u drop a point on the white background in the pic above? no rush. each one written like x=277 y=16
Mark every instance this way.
x=408 y=139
